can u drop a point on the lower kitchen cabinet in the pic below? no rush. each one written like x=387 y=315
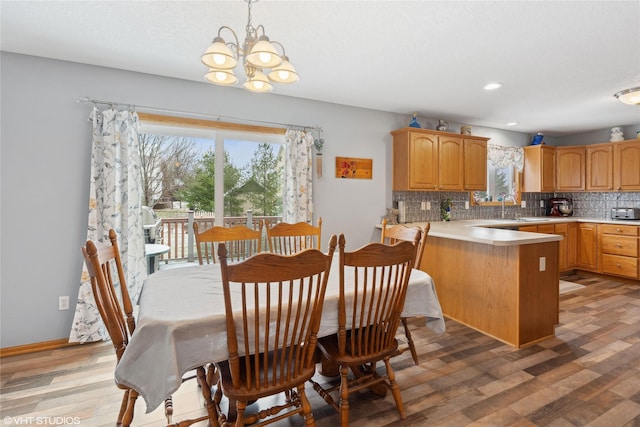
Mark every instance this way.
x=587 y=246
x=600 y=248
x=567 y=250
x=618 y=250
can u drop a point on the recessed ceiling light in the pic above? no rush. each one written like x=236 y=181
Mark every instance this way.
x=512 y=123
x=493 y=86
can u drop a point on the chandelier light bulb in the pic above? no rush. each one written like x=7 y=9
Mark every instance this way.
x=264 y=57
x=219 y=59
x=283 y=74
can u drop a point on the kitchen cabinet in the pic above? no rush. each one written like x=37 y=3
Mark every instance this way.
x=572 y=245
x=626 y=169
x=618 y=253
x=599 y=167
x=415 y=160
x=567 y=250
x=587 y=246
x=570 y=168
x=539 y=169
x=475 y=164
x=451 y=166
x=428 y=160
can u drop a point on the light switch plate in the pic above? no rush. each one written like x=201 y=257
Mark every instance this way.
x=523 y=204
x=543 y=263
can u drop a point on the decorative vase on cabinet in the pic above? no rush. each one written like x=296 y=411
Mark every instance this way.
x=442 y=125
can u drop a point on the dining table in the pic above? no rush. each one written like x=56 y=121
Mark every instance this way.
x=181 y=325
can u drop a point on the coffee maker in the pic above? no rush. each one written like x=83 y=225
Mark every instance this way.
x=559 y=206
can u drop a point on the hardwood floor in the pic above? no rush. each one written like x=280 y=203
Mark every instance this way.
x=588 y=375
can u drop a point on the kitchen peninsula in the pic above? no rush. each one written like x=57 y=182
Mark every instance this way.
x=501 y=282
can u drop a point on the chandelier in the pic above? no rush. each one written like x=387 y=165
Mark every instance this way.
x=257 y=53
x=629 y=96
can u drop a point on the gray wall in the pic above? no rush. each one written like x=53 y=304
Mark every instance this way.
x=45 y=152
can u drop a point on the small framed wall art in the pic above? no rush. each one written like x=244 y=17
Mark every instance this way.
x=350 y=167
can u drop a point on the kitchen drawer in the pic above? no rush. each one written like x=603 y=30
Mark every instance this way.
x=619 y=245
x=620 y=230
x=620 y=265
x=561 y=228
x=546 y=228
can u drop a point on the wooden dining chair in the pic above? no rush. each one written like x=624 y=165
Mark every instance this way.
x=273 y=305
x=287 y=238
x=106 y=273
x=241 y=242
x=398 y=233
x=377 y=277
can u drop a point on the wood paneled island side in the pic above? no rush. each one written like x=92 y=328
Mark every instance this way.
x=503 y=283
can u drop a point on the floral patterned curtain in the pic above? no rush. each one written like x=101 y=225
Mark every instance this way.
x=298 y=176
x=506 y=156
x=115 y=199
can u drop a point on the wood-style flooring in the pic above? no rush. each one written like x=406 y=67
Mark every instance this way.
x=588 y=375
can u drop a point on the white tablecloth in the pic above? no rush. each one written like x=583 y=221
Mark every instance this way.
x=181 y=325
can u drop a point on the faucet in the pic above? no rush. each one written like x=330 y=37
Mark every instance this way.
x=504 y=198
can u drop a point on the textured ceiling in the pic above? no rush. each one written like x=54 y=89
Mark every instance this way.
x=560 y=62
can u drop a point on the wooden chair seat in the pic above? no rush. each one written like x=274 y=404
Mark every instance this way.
x=271 y=375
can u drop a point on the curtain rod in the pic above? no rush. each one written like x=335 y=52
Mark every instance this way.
x=87 y=100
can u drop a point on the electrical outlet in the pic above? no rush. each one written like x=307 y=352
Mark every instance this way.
x=523 y=204
x=543 y=263
x=542 y=203
x=428 y=206
x=466 y=205
x=63 y=303
x=423 y=206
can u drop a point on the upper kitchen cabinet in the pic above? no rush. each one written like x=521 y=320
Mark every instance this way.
x=599 y=159
x=415 y=160
x=428 y=160
x=475 y=164
x=539 y=169
x=626 y=165
x=570 y=169
x=451 y=163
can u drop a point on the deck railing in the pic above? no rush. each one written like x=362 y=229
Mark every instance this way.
x=177 y=233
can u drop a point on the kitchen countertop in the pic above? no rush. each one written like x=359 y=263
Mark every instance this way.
x=500 y=232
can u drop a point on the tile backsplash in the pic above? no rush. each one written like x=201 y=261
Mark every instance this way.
x=596 y=205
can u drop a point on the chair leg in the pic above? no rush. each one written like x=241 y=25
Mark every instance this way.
x=412 y=347
x=395 y=390
x=123 y=407
x=344 y=396
x=168 y=410
x=240 y=411
x=306 y=407
x=130 y=396
x=206 y=394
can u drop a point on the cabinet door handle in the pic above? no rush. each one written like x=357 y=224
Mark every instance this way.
x=618 y=265
x=618 y=230
x=618 y=245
